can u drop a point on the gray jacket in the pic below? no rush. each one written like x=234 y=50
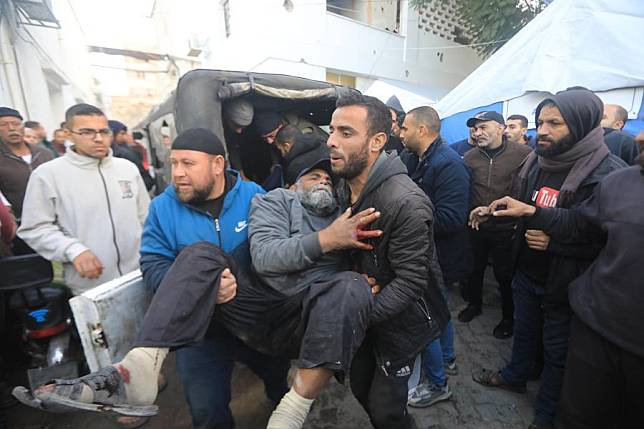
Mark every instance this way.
x=284 y=244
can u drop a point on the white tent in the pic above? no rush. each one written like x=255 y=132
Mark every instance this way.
x=596 y=44
x=409 y=95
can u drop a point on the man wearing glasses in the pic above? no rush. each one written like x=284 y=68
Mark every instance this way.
x=86 y=208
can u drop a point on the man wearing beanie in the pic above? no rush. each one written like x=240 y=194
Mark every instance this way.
x=207 y=203
x=268 y=123
x=570 y=160
x=301 y=147
x=121 y=149
x=86 y=208
x=247 y=152
x=17 y=158
x=296 y=238
x=237 y=115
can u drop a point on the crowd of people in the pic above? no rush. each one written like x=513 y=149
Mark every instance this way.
x=343 y=257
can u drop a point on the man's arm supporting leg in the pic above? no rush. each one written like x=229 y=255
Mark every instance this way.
x=180 y=314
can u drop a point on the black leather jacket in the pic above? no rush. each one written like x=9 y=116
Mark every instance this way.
x=410 y=310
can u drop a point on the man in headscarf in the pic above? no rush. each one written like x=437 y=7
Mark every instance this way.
x=605 y=367
x=569 y=161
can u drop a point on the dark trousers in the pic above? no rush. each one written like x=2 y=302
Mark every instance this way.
x=383 y=396
x=603 y=385
x=206 y=368
x=528 y=323
x=528 y=301
x=323 y=326
x=498 y=245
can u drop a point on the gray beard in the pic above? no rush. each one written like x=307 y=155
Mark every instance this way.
x=318 y=200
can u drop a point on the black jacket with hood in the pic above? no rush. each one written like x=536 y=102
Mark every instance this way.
x=122 y=150
x=608 y=296
x=622 y=144
x=582 y=111
x=410 y=310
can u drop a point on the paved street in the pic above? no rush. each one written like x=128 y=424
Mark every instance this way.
x=470 y=407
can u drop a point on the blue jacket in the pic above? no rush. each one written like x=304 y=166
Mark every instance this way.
x=461 y=147
x=444 y=177
x=172 y=225
x=622 y=145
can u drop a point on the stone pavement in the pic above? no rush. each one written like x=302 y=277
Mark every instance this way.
x=471 y=405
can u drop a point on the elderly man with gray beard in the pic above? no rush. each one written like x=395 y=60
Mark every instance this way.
x=303 y=303
x=295 y=250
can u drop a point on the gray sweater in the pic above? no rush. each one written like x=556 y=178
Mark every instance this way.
x=77 y=203
x=284 y=244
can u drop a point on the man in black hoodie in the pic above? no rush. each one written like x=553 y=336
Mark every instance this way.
x=569 y=161
x=121 y=149
x=397 y=118
x=410 y=310
x=619 y=143
x=605 y=367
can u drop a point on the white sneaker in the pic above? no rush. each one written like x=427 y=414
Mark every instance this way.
x=424 y=395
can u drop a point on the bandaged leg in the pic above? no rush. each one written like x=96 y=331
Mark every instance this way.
x=295 y=405
x=140 y=370
x=128 y=387
x=291 y=412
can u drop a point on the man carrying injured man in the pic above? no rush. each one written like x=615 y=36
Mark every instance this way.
x=305 y=304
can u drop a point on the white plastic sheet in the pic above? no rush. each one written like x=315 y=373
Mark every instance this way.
x=596 y=44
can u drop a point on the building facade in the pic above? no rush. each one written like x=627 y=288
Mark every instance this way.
x=353 y=42
x=45 y=65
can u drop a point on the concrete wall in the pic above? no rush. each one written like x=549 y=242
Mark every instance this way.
x=380 y=14
x=44 y=70
x=308 y=39
x=167 y=28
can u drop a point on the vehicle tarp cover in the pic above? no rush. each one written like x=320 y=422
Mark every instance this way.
x=200 y=94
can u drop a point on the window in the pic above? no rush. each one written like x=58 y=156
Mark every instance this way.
x=382 y=14
x=341 y=79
